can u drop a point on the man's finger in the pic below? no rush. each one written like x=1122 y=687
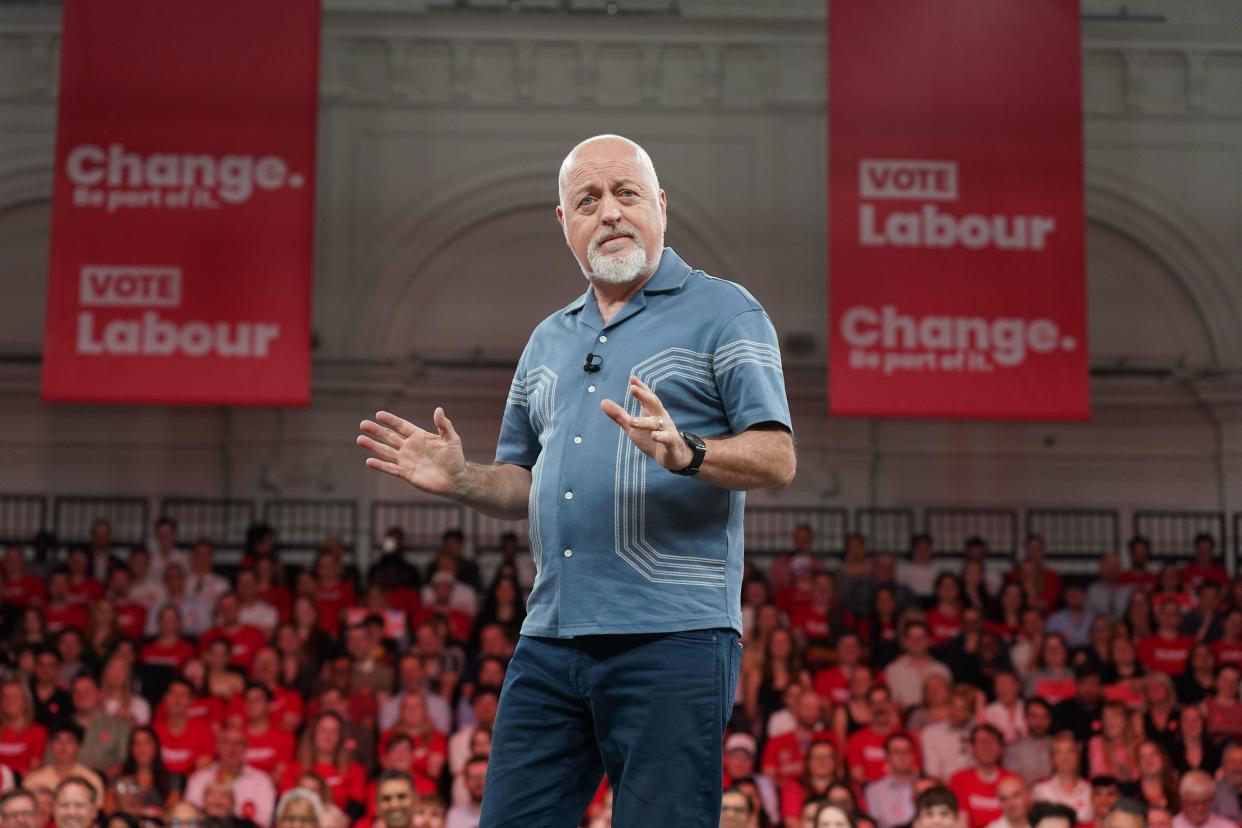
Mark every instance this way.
x=402 y=427
x=649 y=423
x=386 y=467
x=381 y=434
x=443 y=424
x=646 y=396
x=615 y=413
x=380 y=450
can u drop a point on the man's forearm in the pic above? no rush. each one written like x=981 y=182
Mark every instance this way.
x=501 y=490
x=758 y=458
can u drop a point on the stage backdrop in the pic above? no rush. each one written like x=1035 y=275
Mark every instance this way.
x=956 y=260
x=183 y=204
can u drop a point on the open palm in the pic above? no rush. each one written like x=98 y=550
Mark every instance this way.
x=430 y=461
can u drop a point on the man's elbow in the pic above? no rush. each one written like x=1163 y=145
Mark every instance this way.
x=785 y=469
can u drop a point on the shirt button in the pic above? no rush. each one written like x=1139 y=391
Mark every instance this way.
x=577 y=439
x=590 y=389
x=569 y=495
x=603 y=338
x=569 y=553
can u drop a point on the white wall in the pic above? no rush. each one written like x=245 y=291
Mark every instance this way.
x=440 y=135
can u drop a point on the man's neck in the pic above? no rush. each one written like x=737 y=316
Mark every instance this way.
x=611 y=298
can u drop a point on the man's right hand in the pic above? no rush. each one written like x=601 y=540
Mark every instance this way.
x=432 y=462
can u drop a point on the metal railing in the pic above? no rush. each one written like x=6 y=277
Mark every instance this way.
x=22 y=518
x=951 y=526
x=303 y=525
x=1071 y=534
x=73 y=516
x=886 y=529
x=221 y=522
x=769 y=529
x=1172 y=532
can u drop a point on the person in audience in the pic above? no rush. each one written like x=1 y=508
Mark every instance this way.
x=890 y=799
x=201 y=577
x=1113 y=751
x=1157 y=782
x=76 y=803
x=144 y=769
x=1204 y=568
x=1052 y=677
x=736 y=809
x=1139 y=550
x=865 y=756
x=946 y=744
x=1065 y=786
x=1105 y=793
x=1108 y=594
x=936 y=807
x=1125 y=813
x=466 y=815
x=1014 y=800
x=253 y=794
x=194 y=612
x=976 y=786
x=20 y=809
x=1167 y=650
x=819 y=773
x=905 y=676
x=740 y=763
x=299 y=808
x=1196 y=792
x=784 y=754
x=1044 y=814
x=22 y=739
x=1007 y=712
x=104 y=736
x=1160 y=718
x=1073 y=621
x=63 y=745
x=1030 y=756
x=1227 y=800
x=185 y=742
x=918 y=574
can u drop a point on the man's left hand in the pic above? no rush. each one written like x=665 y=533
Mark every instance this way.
x=653 y=431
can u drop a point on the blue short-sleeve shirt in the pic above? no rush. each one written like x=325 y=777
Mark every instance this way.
x=622 y=545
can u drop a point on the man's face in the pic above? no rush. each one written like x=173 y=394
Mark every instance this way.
x=1104 y=797
x=65 y=749
x=739 y=763
x=1231 y=764
x=612 y=211
x=1197 y=805
x=74 y=807
x=21 y=812
x=937 y=816
x=900 y=757
x=822 y=760
x=85 y=695
x=1038 y=720
x=1014 y=801
x=808 y=710
x=734 y=810
x=218 y=801
x=987 y=749
x=1075 y=598
x=232 y=749
x=429 y=815
x=476 y=774
x=881 y=710
x=394 y=803
x=915 y=642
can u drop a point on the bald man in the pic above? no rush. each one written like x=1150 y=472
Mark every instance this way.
x=639 y=415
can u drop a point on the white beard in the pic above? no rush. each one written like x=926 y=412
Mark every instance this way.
x=617 y=270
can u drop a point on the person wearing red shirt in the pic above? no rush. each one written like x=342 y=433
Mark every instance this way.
x=428 y=747
x=801 y=584
x=1204 y=566
x=442 y=586
x=819 y=773
x=22 y=742
x=322 y=751
x=84 y=589
x=944 y=620
x=396 y=759
x=1228 y=649
x=244 y=639
x=286 y=704
x=269 y=589
x=975 y=787
x=784 y=756
x=864 y=751
x=60 y=612
x=169 y=648
x=833 y=683
x=332 y=593
x=19 y=587
x=269 y=747
x=131 y=617
x=1042 y=581
x=821 y=618
x=1167 y=650
x=1137 y=575
x=186 y=744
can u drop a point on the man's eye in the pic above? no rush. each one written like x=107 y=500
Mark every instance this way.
x=586 y=202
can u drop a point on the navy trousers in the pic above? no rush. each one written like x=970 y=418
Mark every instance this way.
x=649 y=710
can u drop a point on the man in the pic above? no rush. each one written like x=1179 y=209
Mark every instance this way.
x=1081 y=714
x=1029 y=757
x=1228 y=798
x=484 y=704
x=890 y=799
x=784 y=756
x=413 y=679
x=131 y=616
x=1108 y=595
x=1105 y=793
x=905 y=676
x=254 y=795
x=946 y=744
x=1126 y=813
x=736 y=809
x=1166 y=650
x=864 y=750
x=252 y=609
x=780 y=576
x=100 y=551
x=63 y=746
x=1196 y=792
x=918 y=575
x=392 y=570
x=20 y=809
x=202 y=580
x=976 y=787
x=195 y=613
x=935 y=807
x=166 y=550
x=269 y=747
x=1204 y=567
x=429 y=812
x=674 y=577
x=18 y=587
x=1137 y=576
x=1050 y=815
x=1204 y=622
x=394 y=799
x=739 y=761
x=146 y=588
x=467 y=815
x=220 y=806
x=76 y=804
x=1014 y=803
x=1073 y=621
x=104 y=736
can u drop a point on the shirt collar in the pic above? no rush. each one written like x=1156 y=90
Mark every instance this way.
x=670 y=275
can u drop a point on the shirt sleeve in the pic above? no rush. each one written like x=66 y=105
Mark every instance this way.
x=747 y=368
x=519 y=443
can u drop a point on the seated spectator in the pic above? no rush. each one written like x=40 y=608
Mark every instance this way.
x=1123 y=674
x=269 y=746
x=484 y=703
x=269 y=589
x=1160 y=718
x=1196 y=792
x=833 y=683
x=1108 y=594
x=412 y=679
x=370 y=670
x=1224 y=707
x=323 y=751
x=764 y=687
x=131 y=616
x=144 y=769
x=185 y=742
x=1204 y=568
x=821 y=619
x=736 y=809
x=194 y=612
x=1065 y=786
x=864 y=751
x=201 y=578
x=890 y=799
x=918 y=575
x=944 y=619
x=466 y=815
x=936 y=807
x=104 y=736
x=1195 y=750
x=936 y=706
x=784 y=755
x=1228 y=648
x=1139 y=551
x=452 y=550
x=1045 y=814
x=1199 y=680
x=1014 y=800
x=429 y=749
x=946 y=744
x=1166 y=650
x=116 y=687
x=61 y=612
x=146 y=587
x=83 y=587
x=298 y=808
x=286 y=702
x=76 y=803
x=740 y=763
x=244 y=640
x=1113 y=751
x=905 y=676
x=829 y=815
x=1030 y=756
x=429 y=812
x=63 y=746
x=976 y=785
x=1157 y=782
x=1227 y=800
x=1105 y=793
x=254 y=795
x=1043 y=585
x=1007 y=713
x=1073 y=621
x=18 y=587
x=852 y=714
x=1052 y=678
x=438 y=602
x=169 y=648
x=819 y=772
x=252 y=610
x=22 y=739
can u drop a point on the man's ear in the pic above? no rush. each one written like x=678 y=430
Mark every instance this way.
x=560 y=215
x=664 y=210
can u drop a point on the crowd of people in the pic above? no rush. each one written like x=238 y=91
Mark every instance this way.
x=150 y=686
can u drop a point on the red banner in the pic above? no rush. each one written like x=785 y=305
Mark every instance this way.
x=183 y=204
x=956 y=262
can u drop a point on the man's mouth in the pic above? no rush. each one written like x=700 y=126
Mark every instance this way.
x=613 y=237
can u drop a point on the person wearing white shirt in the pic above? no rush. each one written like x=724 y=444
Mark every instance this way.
x=1014 y=802
x=1006 y=714
x=484 y=703
x=1065 y=786
x=890 y=799
x=254 y=795
x=467 y=815
x=201 y=580
x=251 y=609
x=905 y=676
x=195 y=615
x=166 y=551
x=946 y=744
x=1197 y=790
x=411 y=676
x=919 y=575
x=1107 y=596
x=145 y=588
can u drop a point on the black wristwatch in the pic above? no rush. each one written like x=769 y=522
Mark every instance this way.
x=696 y=444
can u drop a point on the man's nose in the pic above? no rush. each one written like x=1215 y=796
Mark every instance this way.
x=610 y=209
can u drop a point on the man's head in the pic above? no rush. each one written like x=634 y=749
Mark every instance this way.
x=75 y=805
x=1125 y=813
x=735 y=809
x=1231 y=765
x=1110 y=567
x=612 y=209
x=64 y=744
x=475 y=775
x=428 y=812
x=1014 y=800
x=899 y=751
x=935 y=807
x=218 y=799
x=1105 y=792
x=962 y=705
x=809 y=710
x=986 y=743
x=394 y=799
x=880 y=700
x=19 y=809
x=1051 y=815
x=1196 y=791
x=916 y=638
x=739 y=757
x=231 y=749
